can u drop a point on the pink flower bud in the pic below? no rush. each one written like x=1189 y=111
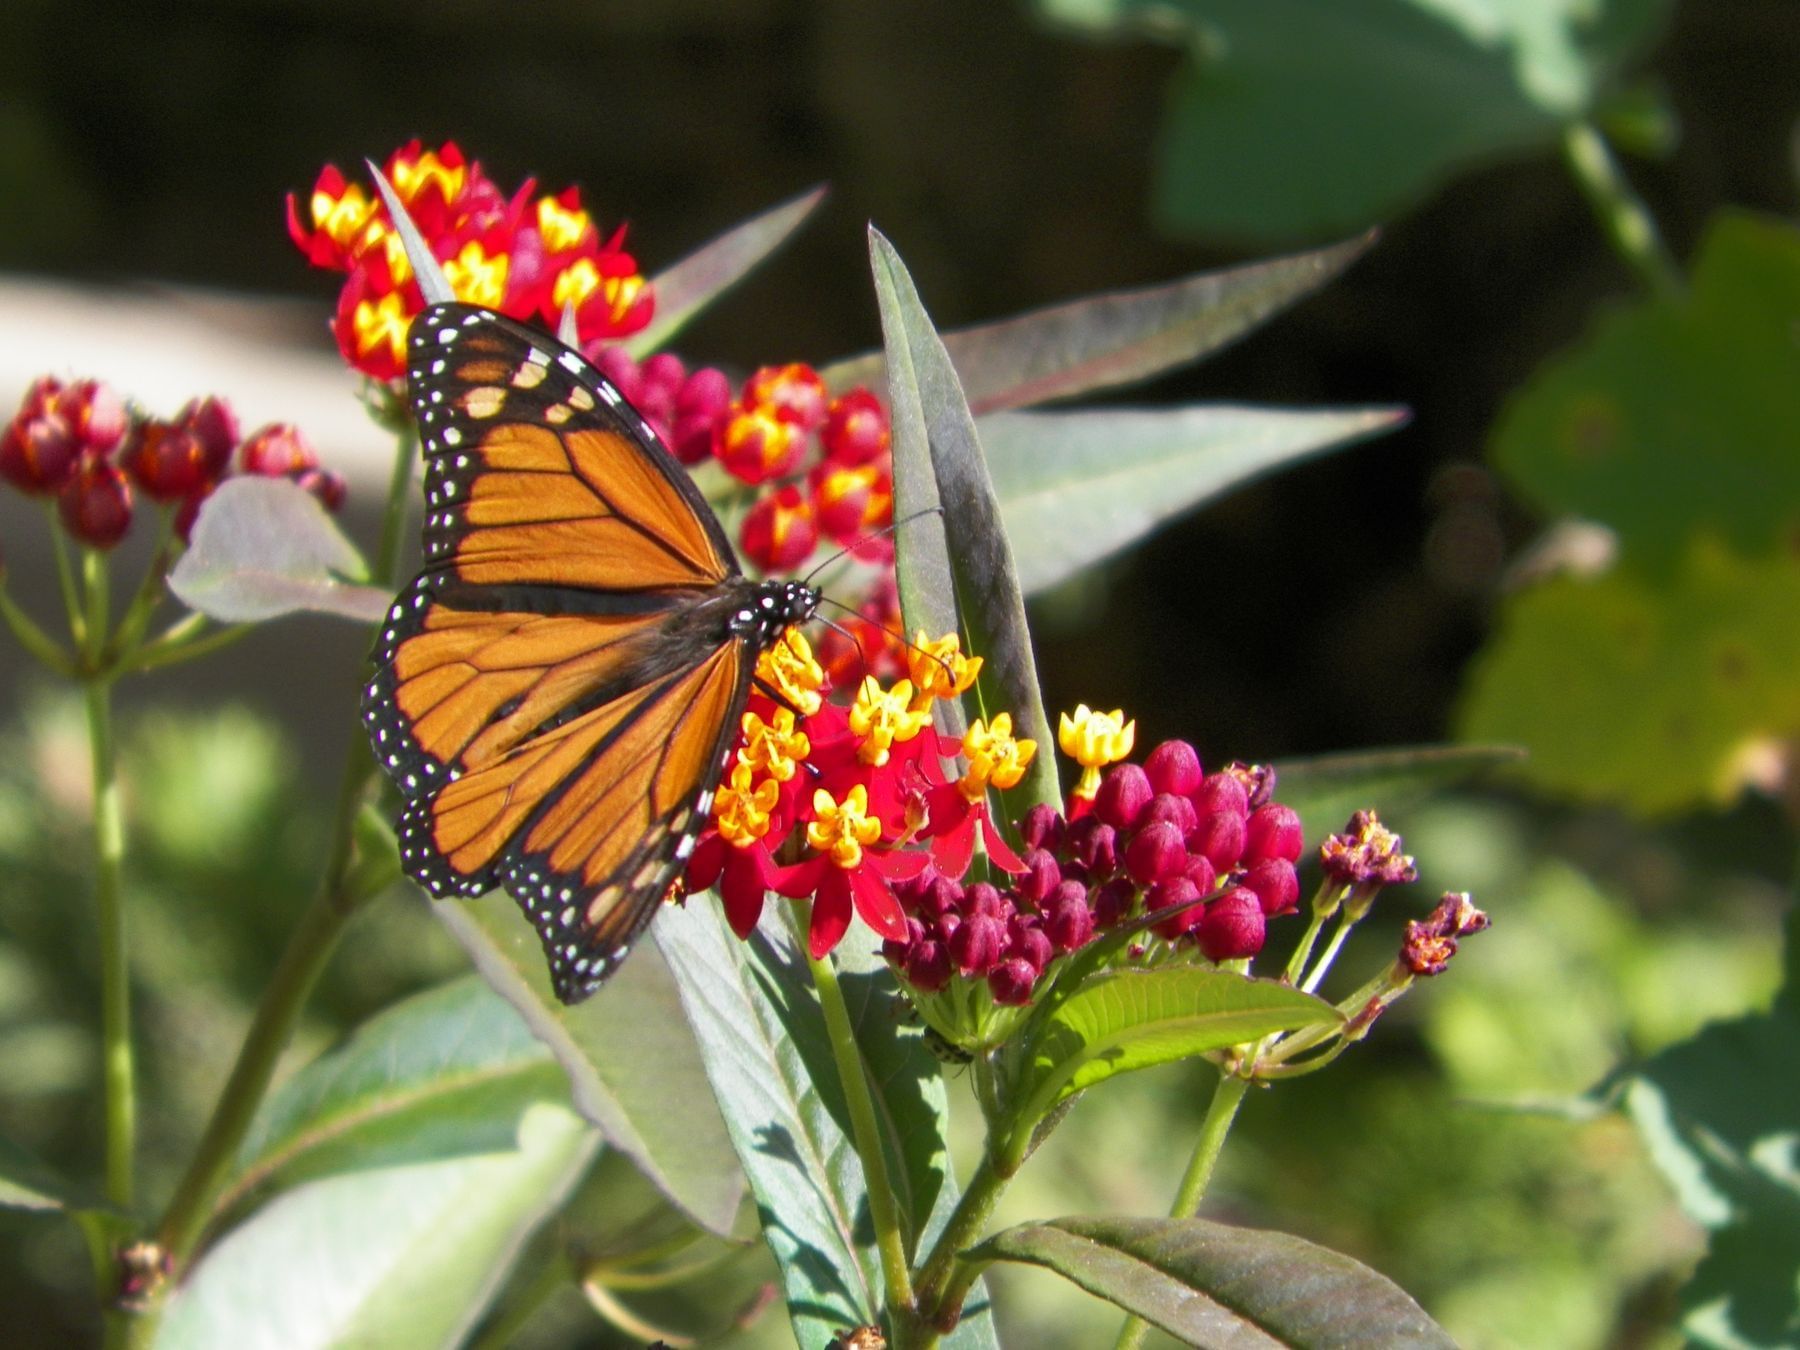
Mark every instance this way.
x=1222 y=792
x=856 y=429
x=1179 y=891
x=1042 y=827
x=95 y=414
x=977 y=944
x=213 y=421
x=327 y=486
x=1155 y=854
x=1069 y=922
x=1202 y=873
x=982 y=898
x=1274 y=832
x=928 y=966
x=278 y=450
x=95 y=504
x=895 y=949
x=1012 y=981
x=1178 y=811
x=1123 y=795
x=1174 y=766
x=779 y=533
x=1093 y=844
x=1275 y=884
x=1113 y=902
x=1232 y=927
x=794 y=393
x=1025 y=938
x=1042 y=875
x=1220 y=837
x=167 y=462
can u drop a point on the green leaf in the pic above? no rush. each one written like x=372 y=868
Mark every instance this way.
x=1650 y=692
x=1077 y=487
x=27 y=1183
x=444 y=1073
x=264 y=547
x=631 y=1062
x=983 y=579
x=1133 y=1019
x=1121 y=337
x=395 y=1256
x=1676 y=417
x=1215 y=1285
x=686 y=288
x=1717 y=1114
x=1325 y=790
x=763 y=1039
x=1383 y=99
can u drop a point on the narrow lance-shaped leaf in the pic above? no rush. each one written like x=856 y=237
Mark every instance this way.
x=1224 y=1288
x=686 y=288
x=630 y=1058
x=434 y=286
x=263 y=547
x=1076 y=487
x=983 y=578
x=1133 y=1019
x=775 y=1081
x=1107 y=340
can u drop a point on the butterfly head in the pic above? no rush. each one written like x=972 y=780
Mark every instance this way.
x=772 y=609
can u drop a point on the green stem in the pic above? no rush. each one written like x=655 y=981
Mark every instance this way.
x=941 y=1275
x=890 y=1240
x=115 y=977
x=1629 y=226
x=34 y=639
x=65 y=580
x=307 y=953
x=1220 y=1112
x=167 y=649
x=1332 y=948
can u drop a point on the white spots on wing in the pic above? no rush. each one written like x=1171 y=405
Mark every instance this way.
x=452 y=436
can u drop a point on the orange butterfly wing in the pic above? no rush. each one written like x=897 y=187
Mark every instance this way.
x=556 y=693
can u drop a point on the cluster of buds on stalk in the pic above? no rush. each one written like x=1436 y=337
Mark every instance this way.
x=80 y=444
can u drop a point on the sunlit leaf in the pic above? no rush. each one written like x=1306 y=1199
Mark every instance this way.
x=686 y=288
x=264 y=547
x=630 y=1058
x=1121 y=337
x=1676 y=416
x=1652 y=692
x=398 y=1256
x=1077 y=487
x=751 y=1008
x=447 y=1072
x=1225 y=1288
x=1133 y=1019
x=988 y=602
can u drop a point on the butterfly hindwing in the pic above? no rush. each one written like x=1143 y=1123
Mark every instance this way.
x=556 y=693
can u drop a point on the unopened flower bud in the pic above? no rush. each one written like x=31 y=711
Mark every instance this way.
x=1202 y=873
x=1273 y=831
x=1220 y=837
x=982 y=898
x=1155 y=854
x=977 y=944
x=95 y=414
x=39 y=449
x=1174 y=766
x=1177 y=811
x=327 y=486
x=1093 y=844
x=1179 y=891
x=1042 y=827
x=214 y=422
x=167 y=462
x=928 y=966
x=1232 y=927
x=895 y=949
x=1222 y=791
x=1068 y=921
x=793 y=392
x=1124 y=793
x=1275 y=884
x=855 y=429
x=779 y=533
x=1042 y=876
x=1112 y=902
x=1012 y=981
x=95 y=504
x=1027 y=940
x=278 y=450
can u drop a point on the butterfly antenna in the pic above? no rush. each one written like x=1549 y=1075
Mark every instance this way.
x=901 y=638
x=862 y=539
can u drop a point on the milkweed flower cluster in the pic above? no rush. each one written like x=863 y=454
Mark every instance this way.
x=527 y=255
x=79 y=443
x=846 y=802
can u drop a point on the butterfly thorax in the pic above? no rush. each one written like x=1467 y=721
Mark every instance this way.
x=767 y=609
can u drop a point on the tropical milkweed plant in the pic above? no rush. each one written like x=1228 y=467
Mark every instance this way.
x=909 y=876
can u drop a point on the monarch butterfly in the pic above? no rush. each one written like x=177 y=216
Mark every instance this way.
x=555 y=694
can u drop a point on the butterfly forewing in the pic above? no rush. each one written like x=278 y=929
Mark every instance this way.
x=556 y=693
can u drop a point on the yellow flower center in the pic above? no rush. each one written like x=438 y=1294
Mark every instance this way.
x=939 y=669
x=995 y=757
x=788 y=668
x=561 y=228
x=882 y=719
x=580 y=279
x=842 y=830
x=775 y=747
x=410 y=180
x=376 y=322
x=1094 y=740
x=742 y=810
x=476 y=277
x=342 y=218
